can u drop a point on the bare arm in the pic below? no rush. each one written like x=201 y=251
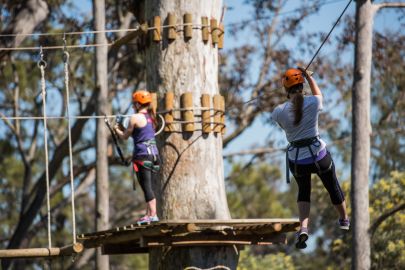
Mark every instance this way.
x=125 y=134
x=312 y=83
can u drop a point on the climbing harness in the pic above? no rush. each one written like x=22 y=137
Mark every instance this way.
x=115 y=140
x=298 y=144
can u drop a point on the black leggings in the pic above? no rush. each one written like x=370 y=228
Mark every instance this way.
x=144 y=175
x=328 y=177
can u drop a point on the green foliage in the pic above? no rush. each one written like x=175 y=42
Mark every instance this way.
x=253 y=193
x=388 y=244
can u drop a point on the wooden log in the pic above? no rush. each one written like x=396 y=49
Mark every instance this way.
x=221 y=36
x=188 y=113
x=205 y=29
x=157 y=37
x=214 y=31
x=222 y=107
x=188 y=29
x=171 y=20
x=206 y=114
x=217 y=113
x=169 y=99
x=42 y=252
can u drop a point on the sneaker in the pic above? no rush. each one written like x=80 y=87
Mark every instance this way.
x=302 y=237
x=145 y=220
x=344 y=224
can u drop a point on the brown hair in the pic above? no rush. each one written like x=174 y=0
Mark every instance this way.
x=297 y=101
x=151 y=113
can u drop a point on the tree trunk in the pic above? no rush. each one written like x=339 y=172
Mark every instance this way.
x=191 y=183
x=102 y=192
x=361 y=128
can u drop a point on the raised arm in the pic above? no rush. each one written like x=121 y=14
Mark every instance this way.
x=312 y=83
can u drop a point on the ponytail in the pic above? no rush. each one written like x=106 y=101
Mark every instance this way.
x=297 y=101
x=151 y=112
x=152 y=115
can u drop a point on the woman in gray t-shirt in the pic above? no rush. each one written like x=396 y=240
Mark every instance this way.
x=306 y=152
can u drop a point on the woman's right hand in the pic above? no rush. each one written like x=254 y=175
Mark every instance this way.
x=305 y=73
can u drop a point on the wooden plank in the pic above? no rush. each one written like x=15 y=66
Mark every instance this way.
x=236 y=224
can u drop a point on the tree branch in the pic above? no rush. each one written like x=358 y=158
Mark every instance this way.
x=388 y=5
x=383 y=217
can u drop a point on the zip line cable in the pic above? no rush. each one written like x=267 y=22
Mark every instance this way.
x=42 y=66
x=316 y=53
x=327 y=36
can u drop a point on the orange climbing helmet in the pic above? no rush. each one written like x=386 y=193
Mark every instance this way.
x=142 y=97
x=292 y=77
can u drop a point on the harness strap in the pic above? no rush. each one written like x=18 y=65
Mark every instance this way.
x=301 y=144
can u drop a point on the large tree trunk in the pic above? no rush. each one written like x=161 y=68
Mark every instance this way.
x=102 y=191
x=361 y=128
x=192 y=178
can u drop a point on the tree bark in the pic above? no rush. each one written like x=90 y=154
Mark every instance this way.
x=361 y=132
x=102 y=189
x=191 y=184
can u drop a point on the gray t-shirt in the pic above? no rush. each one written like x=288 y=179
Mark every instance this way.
x=307 y=128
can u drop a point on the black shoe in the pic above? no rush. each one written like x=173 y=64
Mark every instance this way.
x=302 y=237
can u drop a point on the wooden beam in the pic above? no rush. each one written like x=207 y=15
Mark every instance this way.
x=42 y=252
x=212 y=240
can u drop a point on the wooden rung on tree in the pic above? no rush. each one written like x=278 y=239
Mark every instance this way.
x=214 y=31
x=206 y=113
x=188 y=29
x=205 y=29
x=188 y=113
x=222 y=108
x=169 y=99
x=157 y=37
x=217 y=113
x=221 y=36
x=154 y=102
x=171 y=20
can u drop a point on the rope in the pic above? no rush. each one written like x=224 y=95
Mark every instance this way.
x=211 y=268
x=42 y=66
x=138 y=28
x=316 y=53
x=72 y=189
x=104 y=116
x=327 y=36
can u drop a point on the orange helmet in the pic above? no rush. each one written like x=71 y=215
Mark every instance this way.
x=292 y=77
x=142 y=97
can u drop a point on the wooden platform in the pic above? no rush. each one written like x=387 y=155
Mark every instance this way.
x=177 y=233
